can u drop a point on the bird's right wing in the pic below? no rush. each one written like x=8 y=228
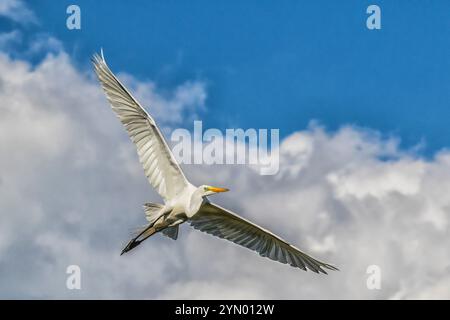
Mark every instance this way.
x=160 y=166
x=225 y=224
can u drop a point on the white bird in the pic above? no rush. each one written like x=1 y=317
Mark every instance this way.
x=183 y=202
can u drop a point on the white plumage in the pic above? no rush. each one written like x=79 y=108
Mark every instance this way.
x=183 y=202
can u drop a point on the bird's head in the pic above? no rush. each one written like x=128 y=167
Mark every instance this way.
x=209 y=190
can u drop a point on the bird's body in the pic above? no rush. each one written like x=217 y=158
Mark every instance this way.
x=184 y=202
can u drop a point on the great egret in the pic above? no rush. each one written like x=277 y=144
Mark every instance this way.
x=183 y=202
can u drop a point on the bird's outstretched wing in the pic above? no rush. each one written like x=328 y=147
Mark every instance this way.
x=160 y=166
x=227 y=225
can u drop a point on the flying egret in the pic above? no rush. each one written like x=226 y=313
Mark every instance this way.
x=183 y=202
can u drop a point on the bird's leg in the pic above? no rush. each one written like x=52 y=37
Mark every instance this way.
x=148 y=231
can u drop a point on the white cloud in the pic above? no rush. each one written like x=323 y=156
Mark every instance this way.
x=171 y=108
x=44 y=43
x=17 y=11
x=8 y=39
x=71 y=187
x=379 y=179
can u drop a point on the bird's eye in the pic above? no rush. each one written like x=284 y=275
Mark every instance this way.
x=205 y=188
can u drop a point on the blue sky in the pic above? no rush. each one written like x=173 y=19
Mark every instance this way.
x=279 y=66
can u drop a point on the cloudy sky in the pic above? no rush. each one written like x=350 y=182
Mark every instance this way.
x=364 y=163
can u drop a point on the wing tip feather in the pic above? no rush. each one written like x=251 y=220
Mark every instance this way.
x=98 y=58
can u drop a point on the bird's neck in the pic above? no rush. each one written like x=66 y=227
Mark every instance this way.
x=195 y=202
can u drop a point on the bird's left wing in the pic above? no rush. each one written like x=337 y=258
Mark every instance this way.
x=225 y=224
x=160 y=166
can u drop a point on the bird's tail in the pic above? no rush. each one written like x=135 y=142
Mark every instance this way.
x=152 y=211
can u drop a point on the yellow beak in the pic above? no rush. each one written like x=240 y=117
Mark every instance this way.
x=216 y=189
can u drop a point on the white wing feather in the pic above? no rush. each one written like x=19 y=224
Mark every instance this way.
x=225 y=224
x=160 y=166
